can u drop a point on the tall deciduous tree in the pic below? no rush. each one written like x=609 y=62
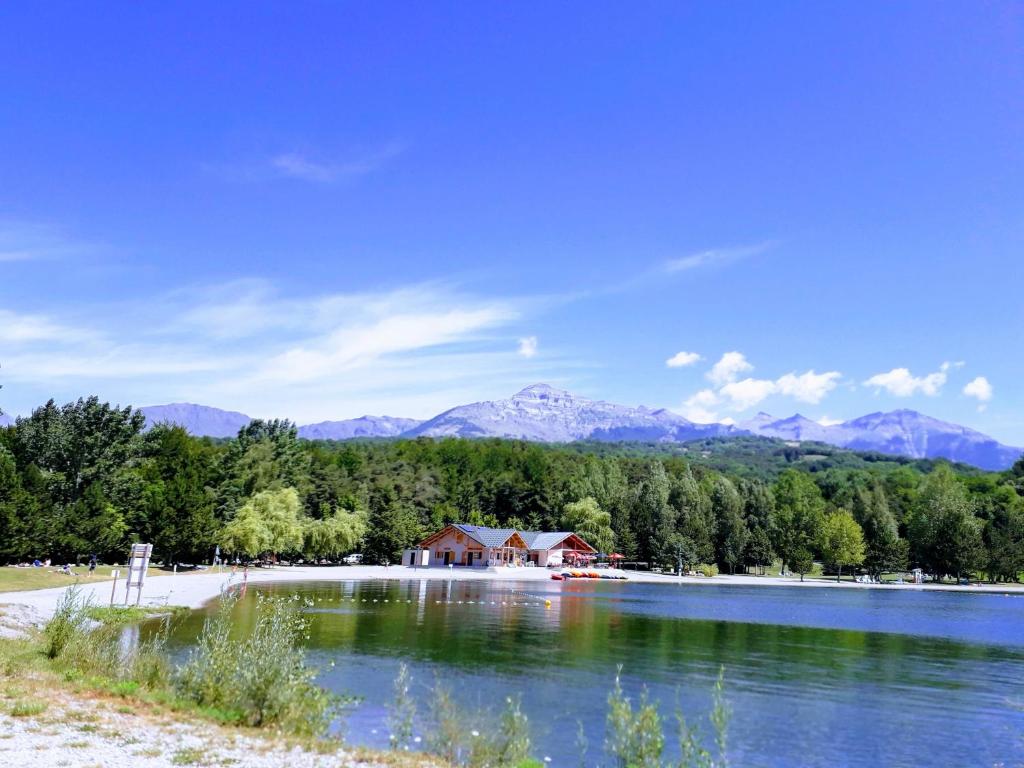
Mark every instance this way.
x=731 y=532
x=587 y=520
x=842 y=541
x=799 y=511
x=945 y=536
x=884 y=550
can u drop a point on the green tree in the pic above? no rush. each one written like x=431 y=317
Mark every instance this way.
x=591 y=523
x=731 y=532
x=884 y=550
x=267 y=523
x=798 y=515
x=842 y=541
x=945 y=536
x=79 y=444
x=178 y=504
x=333 y=534
x=801 y=561
x=392 y=526
x=650 y=506
x=1004 y=534
x=759 y=553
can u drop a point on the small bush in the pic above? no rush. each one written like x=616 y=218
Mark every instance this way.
x=707 y=570
x=262 y=678
x=68 y=624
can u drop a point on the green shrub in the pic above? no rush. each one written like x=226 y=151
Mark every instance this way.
x=261 y=678
x=69 y=623
x=707 y=570
x=634 y=739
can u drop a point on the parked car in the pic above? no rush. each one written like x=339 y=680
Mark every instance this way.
x=354 y=559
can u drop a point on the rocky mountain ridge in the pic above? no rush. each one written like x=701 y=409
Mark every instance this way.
x=542 y=413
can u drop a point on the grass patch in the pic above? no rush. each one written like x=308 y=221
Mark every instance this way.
x=29 y=708
x=120 y=615
x=188 y=756
x=22 y=579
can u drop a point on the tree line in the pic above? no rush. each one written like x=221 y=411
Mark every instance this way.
x=87 y=478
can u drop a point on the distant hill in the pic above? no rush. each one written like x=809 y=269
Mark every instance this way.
x=364 y=426
x=6 y=420
x=542 y=413
x=199 y=420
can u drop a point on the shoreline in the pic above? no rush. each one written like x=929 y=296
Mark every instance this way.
x=195 y=590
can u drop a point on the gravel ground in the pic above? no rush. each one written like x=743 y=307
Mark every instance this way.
x=83 y=733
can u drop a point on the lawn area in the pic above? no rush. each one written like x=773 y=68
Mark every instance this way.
x=21 y=579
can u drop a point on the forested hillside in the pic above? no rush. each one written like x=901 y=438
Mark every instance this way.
x=84 y=478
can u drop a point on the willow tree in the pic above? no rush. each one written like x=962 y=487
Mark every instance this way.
x=591 y=523
x=268 y=523
x=334 y=534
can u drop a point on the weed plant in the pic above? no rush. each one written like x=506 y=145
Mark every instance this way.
x=262 y=678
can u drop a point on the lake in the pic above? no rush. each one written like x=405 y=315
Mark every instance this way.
x=815 y=677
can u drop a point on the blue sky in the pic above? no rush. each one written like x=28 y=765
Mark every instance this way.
x=319 y=210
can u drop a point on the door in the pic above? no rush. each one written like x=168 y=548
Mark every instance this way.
x=447 y=557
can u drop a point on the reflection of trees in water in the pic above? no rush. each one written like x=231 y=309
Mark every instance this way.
x=424 y=619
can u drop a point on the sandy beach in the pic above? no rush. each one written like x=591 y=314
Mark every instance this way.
x=193 y=590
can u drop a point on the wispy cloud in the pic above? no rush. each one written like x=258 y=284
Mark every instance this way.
x=715 y=257
x=34 y=241
x=311 y=166
x=245 y=345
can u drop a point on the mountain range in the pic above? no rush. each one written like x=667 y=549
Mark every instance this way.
x=542 y=413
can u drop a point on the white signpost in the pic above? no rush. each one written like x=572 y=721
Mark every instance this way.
x=138 y=564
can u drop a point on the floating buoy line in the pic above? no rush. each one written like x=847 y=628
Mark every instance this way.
x=530 y=602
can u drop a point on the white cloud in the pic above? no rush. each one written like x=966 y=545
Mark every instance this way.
x=826 y=421
x=528 y=346
x=809 y=387
x=716 y=256
x=737 y=394
x=728 y=368
x=747 y=393
x=682 y=359
x=698 y=407
x=980 y=389
x=901 y=383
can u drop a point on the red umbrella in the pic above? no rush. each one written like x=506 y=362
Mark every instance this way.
x=616 y=556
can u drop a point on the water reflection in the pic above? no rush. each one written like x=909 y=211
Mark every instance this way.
x=812 y=687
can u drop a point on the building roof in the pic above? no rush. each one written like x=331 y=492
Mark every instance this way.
x=539 y=540
x=489 y=537
x=499 y=537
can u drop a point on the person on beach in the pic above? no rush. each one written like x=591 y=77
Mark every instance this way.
x=92 y=564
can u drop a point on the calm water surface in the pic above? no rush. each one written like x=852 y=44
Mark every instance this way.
x=815 y=677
